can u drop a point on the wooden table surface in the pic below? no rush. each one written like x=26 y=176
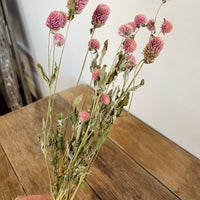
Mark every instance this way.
x=135 y=163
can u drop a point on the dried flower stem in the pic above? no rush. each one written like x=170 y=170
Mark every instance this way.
x=133 y=86
x=156 y=16
x=61 y=59
x=52 y=99
x=77 y=187
x=130 y=84
x=78 y=83
x=115 y=59
x=114 y=63
x=49 y=52
x=45 y=141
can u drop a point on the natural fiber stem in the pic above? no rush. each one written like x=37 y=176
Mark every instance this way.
x=133 y=86
x=78 y=83
x=155 y=19
x=77 y=187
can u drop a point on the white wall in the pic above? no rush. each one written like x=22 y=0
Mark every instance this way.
x=169 y=101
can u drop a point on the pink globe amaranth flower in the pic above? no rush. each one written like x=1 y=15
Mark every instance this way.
x=130 y=61
x=125 y=30
x=79 y=5
x=152 y=49
x=64 y=18
x=100 y=15
x=157 y=42
x=150 y=24
x=55 y=20
x=133 y=25
x=59 y=39
x=84 y=116
x=140 y=20
x=105 y=99
x=129 y=46
x=34 y=197
x=166 y=27
x=94 y=44
x=95 y=74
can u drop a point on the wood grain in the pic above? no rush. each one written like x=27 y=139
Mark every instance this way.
x=173 y=166
x=115 y=176
x=9 y=184
x=18 y=135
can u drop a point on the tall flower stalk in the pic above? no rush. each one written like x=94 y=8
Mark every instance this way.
x=72 y=159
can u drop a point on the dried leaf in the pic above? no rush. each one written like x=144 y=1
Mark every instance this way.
x=77 y=100
x=103 y=52
x=44 y=76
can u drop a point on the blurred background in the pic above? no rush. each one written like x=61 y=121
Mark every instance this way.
x=170 y=100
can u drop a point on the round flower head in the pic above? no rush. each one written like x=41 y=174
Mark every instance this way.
x=58 y=39
x=140 y=20
x=129 y=46
x=94 y=44
x=152 y=49
x=133 y=25
x=166 y=27
x=95 y=74
x=64 y=19
x=100 y=15
x=105 y=99
x=55 y=20
x=125 y=30
x=79 y=5
x=130 y=61
x=84 y=116
x=150 y=24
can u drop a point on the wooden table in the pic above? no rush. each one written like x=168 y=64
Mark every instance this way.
x=135 y=163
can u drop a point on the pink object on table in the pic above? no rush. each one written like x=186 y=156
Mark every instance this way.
x=34 y=197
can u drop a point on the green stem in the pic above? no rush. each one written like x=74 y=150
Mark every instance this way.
x=77 y=187
x=45 y=140
x=49 y=53
x=86 y=133
x=155 y=19
x=114 y=61
x=133 y=86
x=78 y=83
x=130 y=83
x=56 y=81
x=61 y=60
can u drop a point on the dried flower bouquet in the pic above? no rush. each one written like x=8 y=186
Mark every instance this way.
x=72 y=159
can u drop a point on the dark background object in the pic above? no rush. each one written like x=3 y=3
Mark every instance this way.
x=17 y=68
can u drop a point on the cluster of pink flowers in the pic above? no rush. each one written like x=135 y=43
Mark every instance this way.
x=94 y=44
x=56 y=20
x=100 y=15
